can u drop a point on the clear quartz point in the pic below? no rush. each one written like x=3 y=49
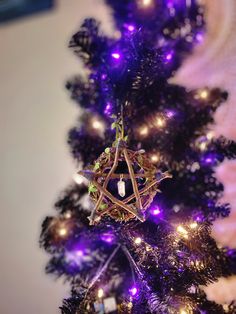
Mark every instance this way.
x=121 y=187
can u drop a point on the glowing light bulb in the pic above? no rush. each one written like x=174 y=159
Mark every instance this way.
x=169 y=56
x=193 y=225
x=108 y=237
x=183 y=312
x=107 y=109
x=160 y=122
x=203 y=94
x=144 y=130
x=130 y=305
x=138 y=240
x=156 y=211
x=62 y=231
x=115 y=55
x=97 y=125
x=154 y=158
x=133 y=291
x=78 y=178
x=100 y=293
x=199 y=37
x=146 y=3
x=67 y=215
x=130 y=27
x=203 y=146
x=170 y=113
x=181 y=230
x=210 y=135
x=79 y=253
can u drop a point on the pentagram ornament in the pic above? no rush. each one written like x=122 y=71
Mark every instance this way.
x=123 y=182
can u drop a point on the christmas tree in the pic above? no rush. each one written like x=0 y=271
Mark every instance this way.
x=132 y=234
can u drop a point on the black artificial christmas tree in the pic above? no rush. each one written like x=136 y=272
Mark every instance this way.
x=141 y=251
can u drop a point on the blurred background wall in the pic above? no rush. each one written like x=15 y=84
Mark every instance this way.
x=35 y=163
x=35 y=115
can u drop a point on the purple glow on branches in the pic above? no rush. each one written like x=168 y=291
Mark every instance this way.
x=116 y=55
x=199 y=218
x=170 y=113
x=133 y=291
x=75 y=256
x=108 y=237
x=79 y=253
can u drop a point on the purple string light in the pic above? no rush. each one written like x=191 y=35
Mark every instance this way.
x=133 y=291
x=116 y=55
x=169 y=56
x=156 y=211
x=107 y=110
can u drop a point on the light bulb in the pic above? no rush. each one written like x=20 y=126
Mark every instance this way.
x=156 y=211
x=137 y=240
x=154 y=158
x=160 y=122
x=79 y=253
x=143 y=131
x=100 y=293
x=203 y=94
x=67 y=215
x=62 y=231
x=181 y=230
x=146 y=3
x=97 y=125
x=78 y=178
x=169 y=56
x=133 y=291
x=193 y=225
x=203 y=146
x=210 y=135
x=115 y=55
x=130 y=27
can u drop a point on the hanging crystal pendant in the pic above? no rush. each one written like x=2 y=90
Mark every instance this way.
x=121 y=187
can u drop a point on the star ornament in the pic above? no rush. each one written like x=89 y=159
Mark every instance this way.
x=123 y=183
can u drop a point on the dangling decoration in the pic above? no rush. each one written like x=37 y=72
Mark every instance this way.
x=123 y=182
x=121 y=187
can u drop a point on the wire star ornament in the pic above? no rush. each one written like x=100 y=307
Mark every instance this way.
x=139 y=171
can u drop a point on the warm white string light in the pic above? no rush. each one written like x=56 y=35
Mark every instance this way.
x=146 y=3
x=181 y=230
x=202 y=94
x=67 y=215
x=210 y=135
x=100 y=293
x=143 y=131
x=78 y=178
x=154 y=158
x=97 y=125
x=62 y=231
x=138 y=240
x=160 y=122
x=193 y=225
